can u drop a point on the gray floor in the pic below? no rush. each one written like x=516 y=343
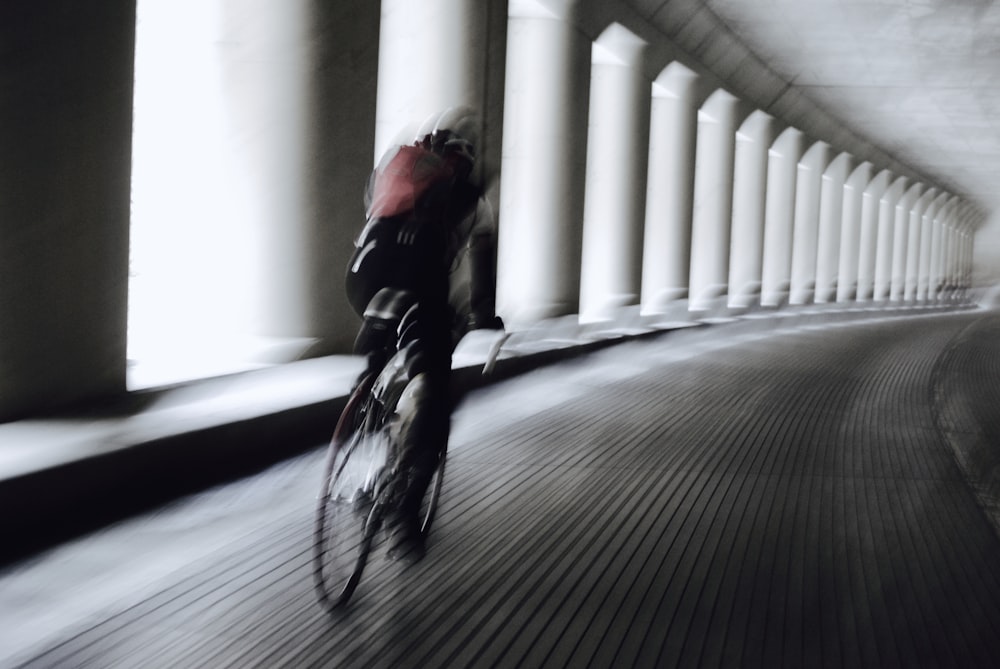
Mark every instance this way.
x=723 y=497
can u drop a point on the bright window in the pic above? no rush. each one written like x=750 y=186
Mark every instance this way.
x=194 y=247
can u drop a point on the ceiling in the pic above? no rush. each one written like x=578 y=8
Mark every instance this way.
x=918 y=79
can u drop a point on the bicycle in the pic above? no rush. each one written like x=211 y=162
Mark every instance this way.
x=363 y=479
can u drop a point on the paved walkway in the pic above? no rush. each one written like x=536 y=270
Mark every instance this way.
x=728 y=496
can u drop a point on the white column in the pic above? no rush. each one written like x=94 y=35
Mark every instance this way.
x=927 y=242
x=954 y=250
x=970 y=245
x=948 y=263
x=713 y=199
x=749 y=193
x=957 y=247
x=543 y=164
x=915 y=242
x=965 y=261
x=947 y=247
x=901 y=242
x=805 y=233
x=965 y=254
x=868 y=235
x=850 y=232
x=965 y=283
x=956 y=255
x=431 y=57
x=885 y=239
x=616 y=175
x=939 y=240
x=666 y=258
x=831 y=215
x=964 y=251
x=282 y=131
x=779 y=214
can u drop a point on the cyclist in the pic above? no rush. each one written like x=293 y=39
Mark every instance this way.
x=430 y=232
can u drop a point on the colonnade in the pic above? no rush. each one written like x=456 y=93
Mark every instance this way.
x=624 y=186
x=626 y=174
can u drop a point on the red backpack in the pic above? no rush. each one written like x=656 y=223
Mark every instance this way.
x=403 y=184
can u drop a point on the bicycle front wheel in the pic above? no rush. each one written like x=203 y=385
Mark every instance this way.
x=342 y=539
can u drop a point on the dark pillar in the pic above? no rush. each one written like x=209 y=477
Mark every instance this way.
x=65 y=160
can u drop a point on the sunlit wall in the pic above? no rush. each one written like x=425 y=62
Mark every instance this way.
x=195 y=245
x=247 y=184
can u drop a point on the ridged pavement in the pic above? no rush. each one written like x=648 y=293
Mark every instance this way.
x=729 y=497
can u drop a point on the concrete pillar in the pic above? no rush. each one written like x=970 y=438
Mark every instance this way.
x=831 y=216
x=928 y=239
x=938 y=241
x=850 y=232
x=951 y=233
x=964 y=253
x=340 y=136
x=885 y=239
x=901 y=241
x=954 y=250
x=939 y=263
x=968 y=253
x=265 y=71
x=965 y=265
x=614 y=204
x=947 y=241
x=960 y=251
x=805 y=234
x=753 y=141
x=65 y=142
x=432 y=56
x=543 y=163
x=713 y=199
x=868 y=234
x=779 y=215
x=915 y=242
x=954 y=277
x=673 y=125
x=300 y=96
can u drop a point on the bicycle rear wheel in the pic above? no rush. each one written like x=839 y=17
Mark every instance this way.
x=343 y=538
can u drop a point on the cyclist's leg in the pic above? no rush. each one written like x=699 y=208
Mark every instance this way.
x=426 y=435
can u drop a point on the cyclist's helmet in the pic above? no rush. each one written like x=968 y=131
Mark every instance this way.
x=452 y=133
